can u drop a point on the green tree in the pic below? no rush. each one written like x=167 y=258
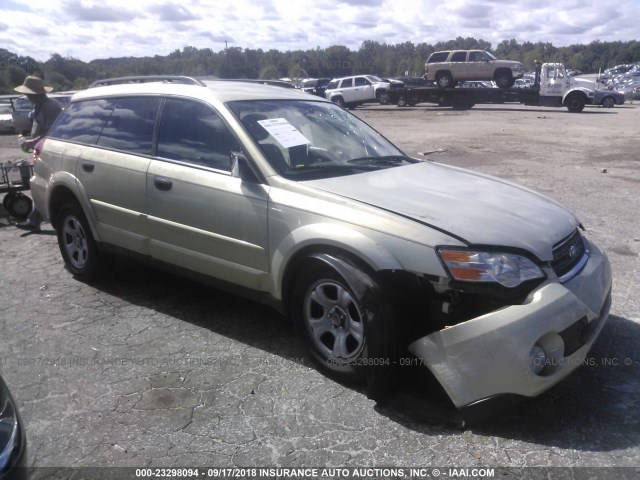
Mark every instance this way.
x=58 y=81
x=269 y=73
x=297 y=72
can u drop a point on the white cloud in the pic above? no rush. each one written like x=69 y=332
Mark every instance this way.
x=100 y=29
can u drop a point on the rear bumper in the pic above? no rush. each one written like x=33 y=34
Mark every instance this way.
x=489 y=356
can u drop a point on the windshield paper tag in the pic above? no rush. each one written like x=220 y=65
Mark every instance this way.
x=286 y=134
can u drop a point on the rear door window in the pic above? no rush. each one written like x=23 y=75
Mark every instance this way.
x=459 y=57
x=130 y=126
x=347 y=83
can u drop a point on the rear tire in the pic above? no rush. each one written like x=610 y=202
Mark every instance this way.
x=608 y=102
x=18 y=205
x=339 y=101
x=504 y=79
x=444 y=80
x=79 y=250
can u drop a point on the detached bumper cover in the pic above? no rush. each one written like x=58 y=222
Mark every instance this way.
x=489 y=355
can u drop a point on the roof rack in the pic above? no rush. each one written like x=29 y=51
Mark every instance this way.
x=147 y=79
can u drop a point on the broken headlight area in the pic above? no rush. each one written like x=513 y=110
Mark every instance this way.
x=429 y=304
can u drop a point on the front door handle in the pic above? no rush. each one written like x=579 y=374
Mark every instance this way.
x=88 y=166
x=163 y=183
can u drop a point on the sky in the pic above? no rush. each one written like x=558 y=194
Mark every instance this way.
x=88 y=29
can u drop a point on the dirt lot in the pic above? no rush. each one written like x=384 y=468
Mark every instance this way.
x=151 y=370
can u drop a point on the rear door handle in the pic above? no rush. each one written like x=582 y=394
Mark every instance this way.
x=88 y=166
x=162 y=183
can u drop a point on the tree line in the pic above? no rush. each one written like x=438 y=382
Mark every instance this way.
x=385 y=60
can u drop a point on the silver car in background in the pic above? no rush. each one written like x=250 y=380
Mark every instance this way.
x=381 y=261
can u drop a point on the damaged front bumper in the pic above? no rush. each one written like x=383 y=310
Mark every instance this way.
x=490 y=357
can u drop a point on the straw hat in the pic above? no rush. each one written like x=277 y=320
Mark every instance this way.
x=33 y=85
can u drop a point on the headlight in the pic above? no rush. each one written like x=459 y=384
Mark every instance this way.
x=507 y=269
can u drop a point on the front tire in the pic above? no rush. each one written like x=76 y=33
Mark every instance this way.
x=384 y=98
x=330 y=321
x=346 y=323
x=575 y=103
x=79 y=250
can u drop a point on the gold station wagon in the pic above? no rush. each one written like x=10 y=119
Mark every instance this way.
x=379 y=259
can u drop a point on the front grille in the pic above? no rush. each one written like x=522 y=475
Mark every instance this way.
x=567 y=254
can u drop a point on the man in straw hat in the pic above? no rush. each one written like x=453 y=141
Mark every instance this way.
x=45 y=111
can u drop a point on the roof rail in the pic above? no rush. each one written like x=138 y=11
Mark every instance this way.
x=147 y=79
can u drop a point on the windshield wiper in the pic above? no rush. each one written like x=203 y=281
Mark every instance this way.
x=388 y=160
x=324 y=166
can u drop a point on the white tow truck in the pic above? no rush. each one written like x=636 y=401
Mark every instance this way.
x=553 y=87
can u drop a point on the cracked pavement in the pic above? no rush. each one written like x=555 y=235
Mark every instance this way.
x=149 y=369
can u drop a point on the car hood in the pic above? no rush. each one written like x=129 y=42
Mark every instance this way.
x=475 y=208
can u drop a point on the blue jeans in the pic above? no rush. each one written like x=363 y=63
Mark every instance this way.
x=35 y=217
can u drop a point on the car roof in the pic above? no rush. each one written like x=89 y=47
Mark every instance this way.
x=212 y=90
x=460 y=50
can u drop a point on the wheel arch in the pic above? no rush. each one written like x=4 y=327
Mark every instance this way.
x=306 y=244
x=66 y=190
x=607 y=97
x=443 y=71
x=396 y=320
x=447 y=73
x=501 y=70
x=338 y=99
x=498 y=72
x=576 y=92
x=60 y=195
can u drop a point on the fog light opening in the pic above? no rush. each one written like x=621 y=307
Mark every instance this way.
x=537 y=359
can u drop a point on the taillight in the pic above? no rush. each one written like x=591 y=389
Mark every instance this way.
x=38 y=148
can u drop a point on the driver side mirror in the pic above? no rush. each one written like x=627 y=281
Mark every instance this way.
x=241 y=168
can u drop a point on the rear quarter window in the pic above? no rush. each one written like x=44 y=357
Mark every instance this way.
x=83 y=121
x=438 y=57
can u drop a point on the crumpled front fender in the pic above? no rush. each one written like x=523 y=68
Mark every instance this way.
x=489 y=355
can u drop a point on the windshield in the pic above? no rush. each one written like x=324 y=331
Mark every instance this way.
x=306 y=139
